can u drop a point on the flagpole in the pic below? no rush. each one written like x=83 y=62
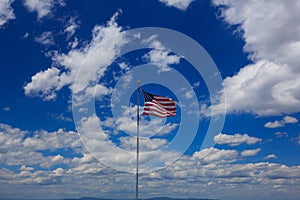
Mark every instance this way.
x=137 y=143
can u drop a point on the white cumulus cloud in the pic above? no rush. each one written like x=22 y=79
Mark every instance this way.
x=270 y=156
x=268 y=86
x=6 y=11
x=42 y=7
x=179 y=4
x=91 y=59
x=235 y=140
x=44 y=84
x=274 y=124
x=24 y=168
x=213 y=155
x=290 y=120
x=18 y=147
x=250 y=152
x=281 y=123
x=160 y=55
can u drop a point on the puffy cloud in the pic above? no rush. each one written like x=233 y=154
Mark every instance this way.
x=44 y=84
x=92 y=60
x=251 y=152
x=43 y=140
x=24 y=148
x=235 y=140
x=24 y=168
x=42 y=7
x=270 y=156
x=274 y=124
x=279 y=41
x=57 y=158
x=269 y=85
x=6 y=11
x=281 y=123
x=224 y=172
x=9 y=137
x=58 y=172
x=290 y=120
x=179 y=4
x=160 y=55
x=213 y=155
x=263 y=88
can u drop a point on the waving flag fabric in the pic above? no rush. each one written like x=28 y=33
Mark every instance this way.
x=158 y=106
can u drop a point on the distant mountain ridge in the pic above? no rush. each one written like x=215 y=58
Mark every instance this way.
x=154 y=198
x=168 y=198
x=93 y=198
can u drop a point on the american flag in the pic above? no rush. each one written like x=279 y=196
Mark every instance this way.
x=158 y=106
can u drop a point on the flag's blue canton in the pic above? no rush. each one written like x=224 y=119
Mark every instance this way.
x=147 y=96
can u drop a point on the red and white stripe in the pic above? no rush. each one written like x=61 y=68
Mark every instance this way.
x=160 y=107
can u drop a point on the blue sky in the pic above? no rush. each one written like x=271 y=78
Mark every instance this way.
x=68 y=98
